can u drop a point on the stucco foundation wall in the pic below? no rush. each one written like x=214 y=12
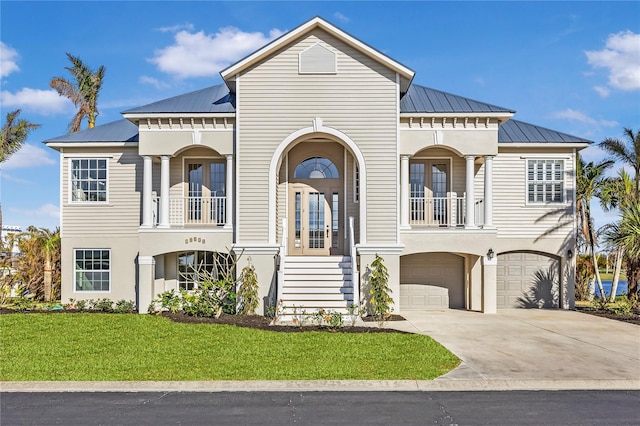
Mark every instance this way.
x=124 y=251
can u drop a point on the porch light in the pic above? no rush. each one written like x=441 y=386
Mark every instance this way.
x=490 y=254
x=570 y=253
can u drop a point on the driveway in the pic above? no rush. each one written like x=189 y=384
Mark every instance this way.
x=531 y=344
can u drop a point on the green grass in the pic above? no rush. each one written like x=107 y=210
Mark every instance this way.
x=100 y=347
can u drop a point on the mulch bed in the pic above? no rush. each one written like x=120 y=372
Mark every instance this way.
x=633 y=318
x=263 y=323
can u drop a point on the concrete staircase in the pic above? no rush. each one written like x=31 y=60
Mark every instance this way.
x=312 y=283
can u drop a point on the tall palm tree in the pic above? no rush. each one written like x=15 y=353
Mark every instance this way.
x=14 y=133
x=590 y=179
x=616 y=193
x=628 y=152
x=83 y=91
x=49 y=242
x=629 y=238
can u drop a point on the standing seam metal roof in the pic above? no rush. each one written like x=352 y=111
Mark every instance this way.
x=209 y=100
x=514 y=131
x=424 y=99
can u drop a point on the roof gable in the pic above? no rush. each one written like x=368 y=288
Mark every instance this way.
x=228 y=74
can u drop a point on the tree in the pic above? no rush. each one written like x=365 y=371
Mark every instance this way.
x=628 y=152
x=39 y=266
x=617 y=192
x=14 y=133
x=590 y=179
x=629 y=238
x=379 y=290
x=83 y=91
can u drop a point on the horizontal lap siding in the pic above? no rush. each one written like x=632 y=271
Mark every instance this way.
x=121 y=215
x=275 y=101
x=511 y=214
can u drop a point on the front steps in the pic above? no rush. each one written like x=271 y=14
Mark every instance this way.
x=312 y=283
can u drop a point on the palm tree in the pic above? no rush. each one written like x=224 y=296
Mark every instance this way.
x=629 y=238
x=14 y=133
x=48 y=242
x=590 y=179
x=616 y=193
x=83 y=91
x=628 y=154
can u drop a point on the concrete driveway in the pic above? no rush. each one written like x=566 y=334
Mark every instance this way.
x=531 y=344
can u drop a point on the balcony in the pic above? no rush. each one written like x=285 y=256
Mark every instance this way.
x=186 y=211
x=443 y=212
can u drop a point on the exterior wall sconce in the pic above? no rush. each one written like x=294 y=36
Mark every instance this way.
x=570 y=253
x=490 y=254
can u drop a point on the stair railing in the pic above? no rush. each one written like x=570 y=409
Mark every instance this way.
x=355 y=276
x=282 y=255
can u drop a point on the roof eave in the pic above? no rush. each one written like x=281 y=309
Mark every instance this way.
x=578 y=145
x=500 y=115
x=144 y=115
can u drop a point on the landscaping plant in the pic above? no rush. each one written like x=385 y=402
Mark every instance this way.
x=379 y=290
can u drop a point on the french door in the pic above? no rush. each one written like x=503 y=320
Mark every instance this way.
x=314 y=220
x=430 y=180
x=205 y=198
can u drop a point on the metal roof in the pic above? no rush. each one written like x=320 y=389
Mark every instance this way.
x=116 y=131
x=424 y=99
x=210 y=100
x=514 y=131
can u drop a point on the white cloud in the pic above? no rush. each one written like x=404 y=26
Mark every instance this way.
x=29 y=156
x=145 y=79
x=201 y=55
x=11 y=178
x=573 y=115
x=8 y=60
x=621 y=57
x=341 y=17
x=43 y=102
x=45 y=210
x=602 y=91
x=174 y=28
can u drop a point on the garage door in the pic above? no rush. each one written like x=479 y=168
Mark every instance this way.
x=527 y=280
x=431 y=281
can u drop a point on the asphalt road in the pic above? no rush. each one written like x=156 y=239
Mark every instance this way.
x=322 y=408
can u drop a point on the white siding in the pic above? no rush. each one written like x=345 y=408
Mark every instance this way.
x=274 y=101
x=121 y=215
x=511 y=214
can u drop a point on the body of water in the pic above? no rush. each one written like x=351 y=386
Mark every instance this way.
x=606 y=284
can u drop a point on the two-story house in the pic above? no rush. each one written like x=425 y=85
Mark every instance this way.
x=317 y=153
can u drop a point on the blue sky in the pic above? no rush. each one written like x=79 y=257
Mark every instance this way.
x=568 y=66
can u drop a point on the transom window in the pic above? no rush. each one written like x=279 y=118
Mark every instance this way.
x=545 y=181
x=194 y=266
x=88 y=180
x=316 y=168
x=92 y=269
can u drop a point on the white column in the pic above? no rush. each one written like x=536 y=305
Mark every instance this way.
x=147 y=177
x=228 y=192
x=470 y=197
x=488 y=191
x=164 y=192
x=146 y=277
x=404 y=191
x=489 y=284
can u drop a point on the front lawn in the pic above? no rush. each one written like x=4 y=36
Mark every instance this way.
x=115 y=347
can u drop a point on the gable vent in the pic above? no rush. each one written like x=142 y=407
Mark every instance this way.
x=317 y=60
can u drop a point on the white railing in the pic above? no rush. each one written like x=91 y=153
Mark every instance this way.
x=447 y=211
x=282 y=255
x=355 y=275
x=195 y=210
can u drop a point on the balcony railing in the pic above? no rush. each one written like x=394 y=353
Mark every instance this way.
x=447 y=212
x=195 y=211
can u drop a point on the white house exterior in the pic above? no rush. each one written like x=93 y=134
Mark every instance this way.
x=317 y=153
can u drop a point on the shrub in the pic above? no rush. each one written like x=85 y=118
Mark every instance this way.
x=248 y=290
x=125 y=306
x=379 y=290
x=103 y=305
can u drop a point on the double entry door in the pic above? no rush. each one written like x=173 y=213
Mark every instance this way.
x=314 y=219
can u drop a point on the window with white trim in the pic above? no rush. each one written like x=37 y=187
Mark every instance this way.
x=194 y=266
x=92 y=269
x=545 y=181
x=88 y=179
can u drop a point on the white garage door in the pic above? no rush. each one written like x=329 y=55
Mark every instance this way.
x=431 y=281
x=527 y=280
